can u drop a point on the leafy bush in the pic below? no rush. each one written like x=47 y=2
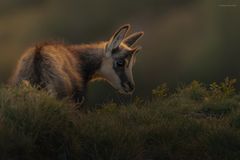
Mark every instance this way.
x=223 y=89
x=161 y=91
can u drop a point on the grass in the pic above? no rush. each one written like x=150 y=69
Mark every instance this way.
x=194 y=122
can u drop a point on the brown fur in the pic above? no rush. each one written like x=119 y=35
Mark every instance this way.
x=63 y=70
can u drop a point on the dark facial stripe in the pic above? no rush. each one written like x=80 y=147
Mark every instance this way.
x=120 y=71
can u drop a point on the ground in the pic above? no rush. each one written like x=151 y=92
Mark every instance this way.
x=195 y=121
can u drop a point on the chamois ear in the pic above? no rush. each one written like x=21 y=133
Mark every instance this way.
x=116 y=39
x=137 y=49
x=133 y=38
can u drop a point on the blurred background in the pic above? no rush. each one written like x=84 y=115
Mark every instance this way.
x=184 y=40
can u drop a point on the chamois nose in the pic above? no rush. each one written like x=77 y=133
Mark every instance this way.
x=129 y=87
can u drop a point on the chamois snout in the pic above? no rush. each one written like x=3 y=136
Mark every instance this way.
x=128 y=87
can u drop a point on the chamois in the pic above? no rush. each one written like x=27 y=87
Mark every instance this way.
x=65 y=70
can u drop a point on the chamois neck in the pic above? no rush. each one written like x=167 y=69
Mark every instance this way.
x=90 y=58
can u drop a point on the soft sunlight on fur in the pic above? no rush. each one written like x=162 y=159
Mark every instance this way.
x=65 y=70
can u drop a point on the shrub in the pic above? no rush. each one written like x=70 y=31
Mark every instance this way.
x=195 y=91
x=223 y=89
x=161 y=91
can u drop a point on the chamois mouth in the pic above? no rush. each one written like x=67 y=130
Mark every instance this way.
x=125 y=91
x=128 y=88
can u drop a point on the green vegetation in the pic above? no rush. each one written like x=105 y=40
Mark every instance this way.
x=194 y=122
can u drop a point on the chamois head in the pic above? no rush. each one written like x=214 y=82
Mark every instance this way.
x=119 y=58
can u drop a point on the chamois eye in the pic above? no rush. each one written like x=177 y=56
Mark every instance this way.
x=119 y=63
